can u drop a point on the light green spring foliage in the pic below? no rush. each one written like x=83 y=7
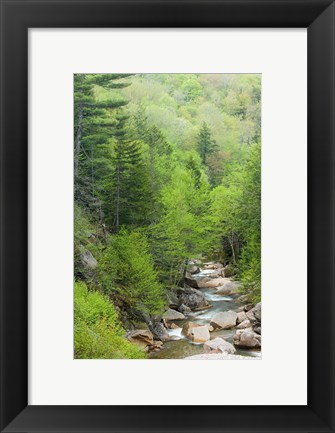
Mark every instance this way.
x=179 y=104
x=235 y=217
x=173 y=174
x=98 y=333
x=128 y=262
x=125 y=266
x=180 y=231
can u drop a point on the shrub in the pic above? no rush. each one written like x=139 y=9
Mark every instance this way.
x=129 y=263
x=98 y=333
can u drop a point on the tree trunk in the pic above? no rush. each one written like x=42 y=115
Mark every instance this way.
x=117 y=210
x=78 y=140
x=231 y=241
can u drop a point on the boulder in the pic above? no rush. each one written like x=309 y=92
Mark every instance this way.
x=194 y=262
x=219 y=345
x=212 y=265
x=224 y=320
x=187 y=329
x=200 y=334
x=212 y=283
x=255 y=317
x=192 y=298
x=156 y=347
x=194 y=270
x=88 y=261
x=258 y=311
x=141 y=337
x=184 y=309
x=202 y=280
x=223 y=290
x=216 y=274
x=250 y=315
x=173 y=315
x=159 y=331
x=171 y=297
x=174 y=326
x=190 y=281
x=242 y=298
x=247 y=338
x=241 y=317
x=245 y=324
x=230 y=287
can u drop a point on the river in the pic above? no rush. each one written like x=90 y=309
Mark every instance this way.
x=179 y=346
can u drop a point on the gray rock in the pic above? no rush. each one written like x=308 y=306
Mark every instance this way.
x=241 y=317
x=230 y=287
x=247 y=338
x=255 y=317
x=159 y=331
x=224 y=320
x=88 y=260
x=194 y=262
x=242 y=298
x=187 y=329
x=171 y=297
x=184 y=309
x=200 y=334
x=258 y=311
x=223 y=290
x=194 y=270
x=173 y=315
x=219 y=345
x=212 y=265
x=212 y=283
x=245 y=324
x=192 y=298
x=190 y=281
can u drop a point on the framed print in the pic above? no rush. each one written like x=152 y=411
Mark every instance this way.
x=167 y=216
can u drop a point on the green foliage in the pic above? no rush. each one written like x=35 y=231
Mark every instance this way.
x=128 y=262
x=235 y=219
x=97 y=331
x=94 y=125
x=167 y=167
x=192 y=89
x=206 y=144
x=180 y=232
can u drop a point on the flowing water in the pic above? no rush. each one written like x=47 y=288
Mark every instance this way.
x=179 y=346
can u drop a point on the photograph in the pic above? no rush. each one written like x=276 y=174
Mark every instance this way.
x=167 y=216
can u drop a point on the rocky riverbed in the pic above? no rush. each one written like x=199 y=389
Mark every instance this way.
x=207 y=319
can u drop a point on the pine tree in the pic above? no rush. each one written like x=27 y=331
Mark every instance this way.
x=123 y=178
x=94 y=125
x=206 y=144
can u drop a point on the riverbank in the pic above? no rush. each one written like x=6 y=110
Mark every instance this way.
x=208 y=319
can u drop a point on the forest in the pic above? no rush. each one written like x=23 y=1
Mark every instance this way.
x=167 y=216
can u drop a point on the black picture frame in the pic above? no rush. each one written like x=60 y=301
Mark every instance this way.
x=16 y=18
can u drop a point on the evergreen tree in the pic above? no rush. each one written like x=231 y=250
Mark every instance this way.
x=123 y=179
x=93 y=125
x=206 y=145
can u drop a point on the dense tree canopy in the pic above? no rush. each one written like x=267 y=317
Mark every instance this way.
x=167 y=168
